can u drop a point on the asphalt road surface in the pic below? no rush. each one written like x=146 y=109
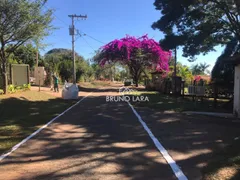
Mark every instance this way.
x=94 y=140
x=98 y=140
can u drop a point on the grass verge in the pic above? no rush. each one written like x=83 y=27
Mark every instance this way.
x=163 y=102
x=95 y=84
x=23 y=113
x=225 y=164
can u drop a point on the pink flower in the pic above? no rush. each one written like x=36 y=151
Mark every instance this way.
x=197 y=78
x=128 y=48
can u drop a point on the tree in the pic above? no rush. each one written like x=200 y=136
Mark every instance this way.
x=103 y=72
x=25 y=54
x=59 y=61
x=65 y=70
x=21 y=21
x=198 y=25
x=222 y=71
x=136 y=53
x=184 y=72
x=199 y=69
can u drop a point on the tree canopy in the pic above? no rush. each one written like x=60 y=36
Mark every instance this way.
x=200 y=69
x=24 y=54
x=197 y=25
x=59 y=61
x=222 y=71
x=21 y=21
x=136 y=53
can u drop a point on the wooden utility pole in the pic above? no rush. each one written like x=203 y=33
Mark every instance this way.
x=37 y=57
x=175 y=71
x=175 y=62
x=72 y=33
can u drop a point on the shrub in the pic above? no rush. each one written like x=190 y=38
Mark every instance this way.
x=1 y=91
x=128 y=82
x=13 y=89
x=26 y=87
x=150 y=86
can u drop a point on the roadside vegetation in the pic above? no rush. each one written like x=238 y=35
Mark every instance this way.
x=24 y=112
x=192 y=26
x=162 y=102
x=225 y=164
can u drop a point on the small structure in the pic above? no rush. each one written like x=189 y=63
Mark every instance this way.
x=236 y=104
x=19 y=74
x=157 y=80
x=177 y=85
x=164 y=84
x=39 y=75
x=197 y=89
x=236 y=101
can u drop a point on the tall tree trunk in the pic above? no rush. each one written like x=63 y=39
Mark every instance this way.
x=3 y=68
x=137 y=76
x=136 y=80
x=37 y=58
x=135 y=71
x=4 y=77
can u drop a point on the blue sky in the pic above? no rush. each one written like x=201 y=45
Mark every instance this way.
x=108 y=20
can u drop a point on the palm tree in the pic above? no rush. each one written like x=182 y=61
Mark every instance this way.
x=184 y=72
x=199 y=69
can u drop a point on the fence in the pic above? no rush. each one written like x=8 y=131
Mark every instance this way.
x=196 y=90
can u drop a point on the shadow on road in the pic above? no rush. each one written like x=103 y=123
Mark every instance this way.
x=94 y=140
x=99 y=140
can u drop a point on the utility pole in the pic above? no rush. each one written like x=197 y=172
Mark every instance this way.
x=72 y=33
x=175 y=70
x=175 y=62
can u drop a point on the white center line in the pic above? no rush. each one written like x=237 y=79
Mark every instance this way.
x=177 y=171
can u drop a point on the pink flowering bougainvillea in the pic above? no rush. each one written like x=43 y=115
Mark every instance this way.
x=197 y=78
x=137 y=53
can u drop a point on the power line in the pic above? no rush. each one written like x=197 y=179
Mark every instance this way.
x=48 y=8
x=82 y=35
x=67 y=26
x=95 y=39
x=54 y=14
x=88 y=44
x=92 y=38
x=79 y=35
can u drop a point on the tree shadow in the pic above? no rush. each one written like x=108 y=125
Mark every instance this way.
x=192 y=141
x=19 y=117
x=99 y=140
x=95 y=140
x=164 y=102
x=88 y=89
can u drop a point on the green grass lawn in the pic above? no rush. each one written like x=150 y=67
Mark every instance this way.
x=225 y=164
x=163 y=102
x=24 y=112
x=95 y=84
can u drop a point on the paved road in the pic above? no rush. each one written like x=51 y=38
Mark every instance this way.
x=94 y=140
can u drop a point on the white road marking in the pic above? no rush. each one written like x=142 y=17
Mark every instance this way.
x=40 y=129
x=177 y=171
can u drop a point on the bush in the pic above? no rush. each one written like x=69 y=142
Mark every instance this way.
x=1 y=91
x=128 y=82
x=150 y=86
x=25 y=87
x=13 y=89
